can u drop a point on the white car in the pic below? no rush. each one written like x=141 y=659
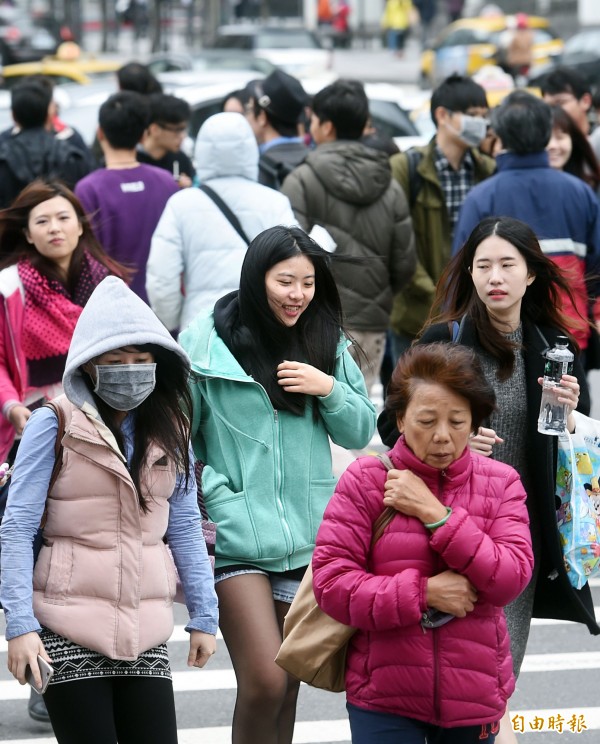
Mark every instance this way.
x=389 y=104
x=292 y=48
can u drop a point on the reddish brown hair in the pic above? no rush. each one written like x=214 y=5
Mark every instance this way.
x=453 y=366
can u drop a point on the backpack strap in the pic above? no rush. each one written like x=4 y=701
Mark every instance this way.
x=415 y=179
x=58 y=451
x=228 y=214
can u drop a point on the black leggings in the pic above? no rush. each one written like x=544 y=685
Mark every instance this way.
x=107 y=710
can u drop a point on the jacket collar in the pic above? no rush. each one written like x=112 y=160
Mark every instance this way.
x=454 y=475
x=513 y=161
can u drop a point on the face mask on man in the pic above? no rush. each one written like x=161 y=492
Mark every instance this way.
x=124 y=386
x=472 y=130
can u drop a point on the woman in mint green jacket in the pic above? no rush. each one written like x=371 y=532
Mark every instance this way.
x=275 y=382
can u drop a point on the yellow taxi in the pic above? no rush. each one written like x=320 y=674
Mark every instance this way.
x=69 y=65
x=467 y=45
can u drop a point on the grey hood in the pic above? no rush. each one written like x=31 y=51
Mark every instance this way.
x=113 y=317
x=226 y=146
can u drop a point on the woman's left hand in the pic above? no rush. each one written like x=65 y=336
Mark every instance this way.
x=569 y=396
x=202 y=647
x=408 y=494
x=297 y=377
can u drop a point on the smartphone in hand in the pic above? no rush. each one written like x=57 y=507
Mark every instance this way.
x=46 y=670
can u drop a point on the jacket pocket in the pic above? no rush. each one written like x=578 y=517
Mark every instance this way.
x=95 y=573
x=237 y=533
x=59 y=573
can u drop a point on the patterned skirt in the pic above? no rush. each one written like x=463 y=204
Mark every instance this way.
x=72 y=662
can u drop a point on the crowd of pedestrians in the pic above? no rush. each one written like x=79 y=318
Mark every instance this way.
x=176 y=329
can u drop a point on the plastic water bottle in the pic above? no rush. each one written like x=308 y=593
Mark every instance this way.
x=553 y=415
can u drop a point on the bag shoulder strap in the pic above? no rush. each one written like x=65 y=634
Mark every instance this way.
x=58 y=451
x=543 y=339
x=230 y=216
x=389 y=512
x=415 y=179
x=456 y=329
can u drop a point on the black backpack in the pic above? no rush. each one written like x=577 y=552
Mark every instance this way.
x=276 y=170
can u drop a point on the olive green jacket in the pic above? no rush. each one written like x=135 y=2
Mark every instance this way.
x=432 y=233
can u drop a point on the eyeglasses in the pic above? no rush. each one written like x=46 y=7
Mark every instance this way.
x=175 y=128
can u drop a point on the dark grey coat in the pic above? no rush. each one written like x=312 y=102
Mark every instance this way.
x=347 y=188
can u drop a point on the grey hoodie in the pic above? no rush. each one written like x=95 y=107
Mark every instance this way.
x=113 y=317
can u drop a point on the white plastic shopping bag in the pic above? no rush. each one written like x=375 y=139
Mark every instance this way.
x=577 y=487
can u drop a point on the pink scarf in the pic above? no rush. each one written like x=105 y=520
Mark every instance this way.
x=50 y=317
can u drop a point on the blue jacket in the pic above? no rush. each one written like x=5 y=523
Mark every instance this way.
x=268 y=473
x=561 y=209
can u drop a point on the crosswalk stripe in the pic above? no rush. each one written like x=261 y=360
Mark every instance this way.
x=313 y=732
x=561 y=662
x=550 y=621
x=224 y=679
x=196 y=680
x=305 y=732
x=180 y=635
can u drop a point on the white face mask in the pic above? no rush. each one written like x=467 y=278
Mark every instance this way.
x=124 y=386
x=472 y=130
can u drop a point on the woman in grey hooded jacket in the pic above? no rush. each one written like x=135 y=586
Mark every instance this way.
x=103 y=586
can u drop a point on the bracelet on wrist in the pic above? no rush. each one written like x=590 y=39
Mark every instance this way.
x=440 y=522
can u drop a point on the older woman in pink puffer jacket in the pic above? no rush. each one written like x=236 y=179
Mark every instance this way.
x=459 y=545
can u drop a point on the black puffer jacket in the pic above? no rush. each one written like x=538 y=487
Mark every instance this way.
x=347 y=188
x=33 y=153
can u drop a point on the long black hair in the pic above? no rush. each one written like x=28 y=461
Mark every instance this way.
x=456 y=295
x=162 y=419
x=259 y=341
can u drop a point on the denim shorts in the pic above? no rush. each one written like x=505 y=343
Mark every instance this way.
x=284 y=589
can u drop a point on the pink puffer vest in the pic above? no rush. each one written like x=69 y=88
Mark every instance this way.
x=104 y=578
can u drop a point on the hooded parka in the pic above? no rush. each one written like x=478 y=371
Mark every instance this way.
x=104 y=578
x=347 y=188
x=268 y=474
